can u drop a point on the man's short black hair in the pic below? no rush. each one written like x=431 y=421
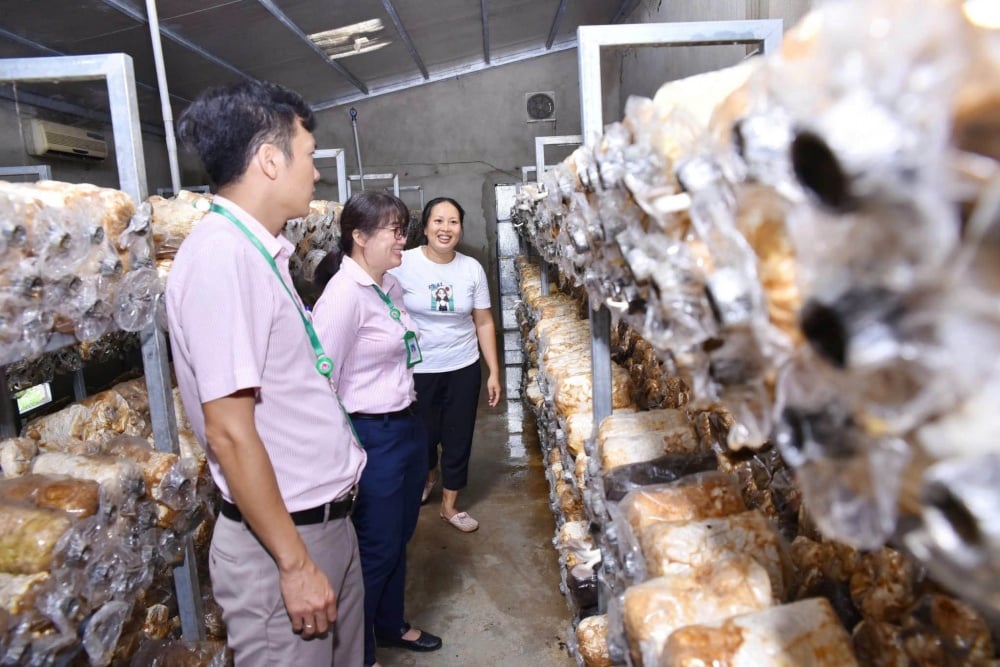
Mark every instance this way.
x=227 y=125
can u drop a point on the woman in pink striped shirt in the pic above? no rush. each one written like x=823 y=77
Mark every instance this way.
x=372 y=341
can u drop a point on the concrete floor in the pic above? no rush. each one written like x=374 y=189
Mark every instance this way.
x=493 y=595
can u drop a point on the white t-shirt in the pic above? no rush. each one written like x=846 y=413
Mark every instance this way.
x=441 y=298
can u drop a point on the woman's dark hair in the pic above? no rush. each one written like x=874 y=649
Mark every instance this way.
x=365 y=212
x=227 y=125
x=441 y=200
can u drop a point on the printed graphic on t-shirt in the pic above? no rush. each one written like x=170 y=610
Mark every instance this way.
x=442 y=297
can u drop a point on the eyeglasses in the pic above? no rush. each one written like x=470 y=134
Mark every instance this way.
x=399 y=231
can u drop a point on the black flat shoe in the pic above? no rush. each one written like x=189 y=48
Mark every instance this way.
x=424 y=643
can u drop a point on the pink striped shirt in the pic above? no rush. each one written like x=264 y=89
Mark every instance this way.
x=365 y=343
x=232 y=327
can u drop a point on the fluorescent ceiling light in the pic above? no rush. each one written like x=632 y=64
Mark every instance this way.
x=352 y=40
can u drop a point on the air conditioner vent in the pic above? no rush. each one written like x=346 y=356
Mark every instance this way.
x=48 y=138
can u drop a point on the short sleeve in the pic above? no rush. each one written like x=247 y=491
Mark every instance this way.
x=481 y=293
x=225 y=322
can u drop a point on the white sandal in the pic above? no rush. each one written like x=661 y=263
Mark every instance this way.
x=463 y=522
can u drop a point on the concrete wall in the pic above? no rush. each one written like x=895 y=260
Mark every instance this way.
x=452 y=136
x=645 y=69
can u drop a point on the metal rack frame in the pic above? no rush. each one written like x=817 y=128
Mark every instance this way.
x=375 y=177
x=343 y=187
x=411 y=188
x=766 y=34
x=540 y=144
x=117 y=71
x=41 y=171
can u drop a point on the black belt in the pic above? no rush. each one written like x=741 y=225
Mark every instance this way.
x=398 y=414
x=335 y=509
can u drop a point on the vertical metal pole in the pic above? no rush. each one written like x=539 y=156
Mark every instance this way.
x=343 y=185
x=10 y=420
x=79 y=385
x=357 y=146
x=539 y=170
x=161 y=81
x=591 y=124
x=125 y=125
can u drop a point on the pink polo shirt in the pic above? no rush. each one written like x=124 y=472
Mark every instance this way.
x=232 y=327
x=365 y=343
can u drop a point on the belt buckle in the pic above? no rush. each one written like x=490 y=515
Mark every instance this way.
x=353 y=497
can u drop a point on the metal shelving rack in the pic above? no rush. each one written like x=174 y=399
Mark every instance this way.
x=117 y=71
x=374 y=177
x=343 y=187
x=508 y=247
x=39 y=171
x=765 y=34
x=540 y=144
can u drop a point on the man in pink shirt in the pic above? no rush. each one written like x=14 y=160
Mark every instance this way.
x=284 y=557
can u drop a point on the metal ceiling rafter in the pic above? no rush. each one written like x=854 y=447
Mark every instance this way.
x=405 y=36
x=49 y=51
x=484 y=12
x=174 y=36
x=623 y=10
x=556 y=20
x=288 y=23
x=440 y=75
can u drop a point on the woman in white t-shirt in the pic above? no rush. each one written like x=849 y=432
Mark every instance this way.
x=446 y=293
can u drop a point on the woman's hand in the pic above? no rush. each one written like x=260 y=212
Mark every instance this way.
x=493 y=389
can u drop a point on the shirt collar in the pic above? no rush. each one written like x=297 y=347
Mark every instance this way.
x=360 y=276
x=273 y=244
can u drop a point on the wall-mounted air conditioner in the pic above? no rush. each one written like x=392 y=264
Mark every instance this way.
x=45 y=138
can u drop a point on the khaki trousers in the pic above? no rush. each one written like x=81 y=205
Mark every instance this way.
x=245 y=584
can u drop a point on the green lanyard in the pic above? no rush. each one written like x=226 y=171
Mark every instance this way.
x=324 y=365
x=393 y=311
x=410 y=343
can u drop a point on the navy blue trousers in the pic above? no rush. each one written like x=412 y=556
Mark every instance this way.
x=447 y=404
x=386 y=516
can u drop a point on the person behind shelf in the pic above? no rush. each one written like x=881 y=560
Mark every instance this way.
x=284 y=559
x=367 y=330
x=447 y=294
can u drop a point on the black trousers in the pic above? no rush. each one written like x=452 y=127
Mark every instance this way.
x=447 y=403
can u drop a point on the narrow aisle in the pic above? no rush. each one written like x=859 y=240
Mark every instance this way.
x=493 y=595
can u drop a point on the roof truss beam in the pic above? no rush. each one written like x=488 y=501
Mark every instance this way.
x=556 y=20
x=288 y=23
x=405 y=36
x=176 y=37
x=484 y=12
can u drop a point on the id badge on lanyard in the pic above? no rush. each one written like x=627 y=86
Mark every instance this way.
x=413 y=356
